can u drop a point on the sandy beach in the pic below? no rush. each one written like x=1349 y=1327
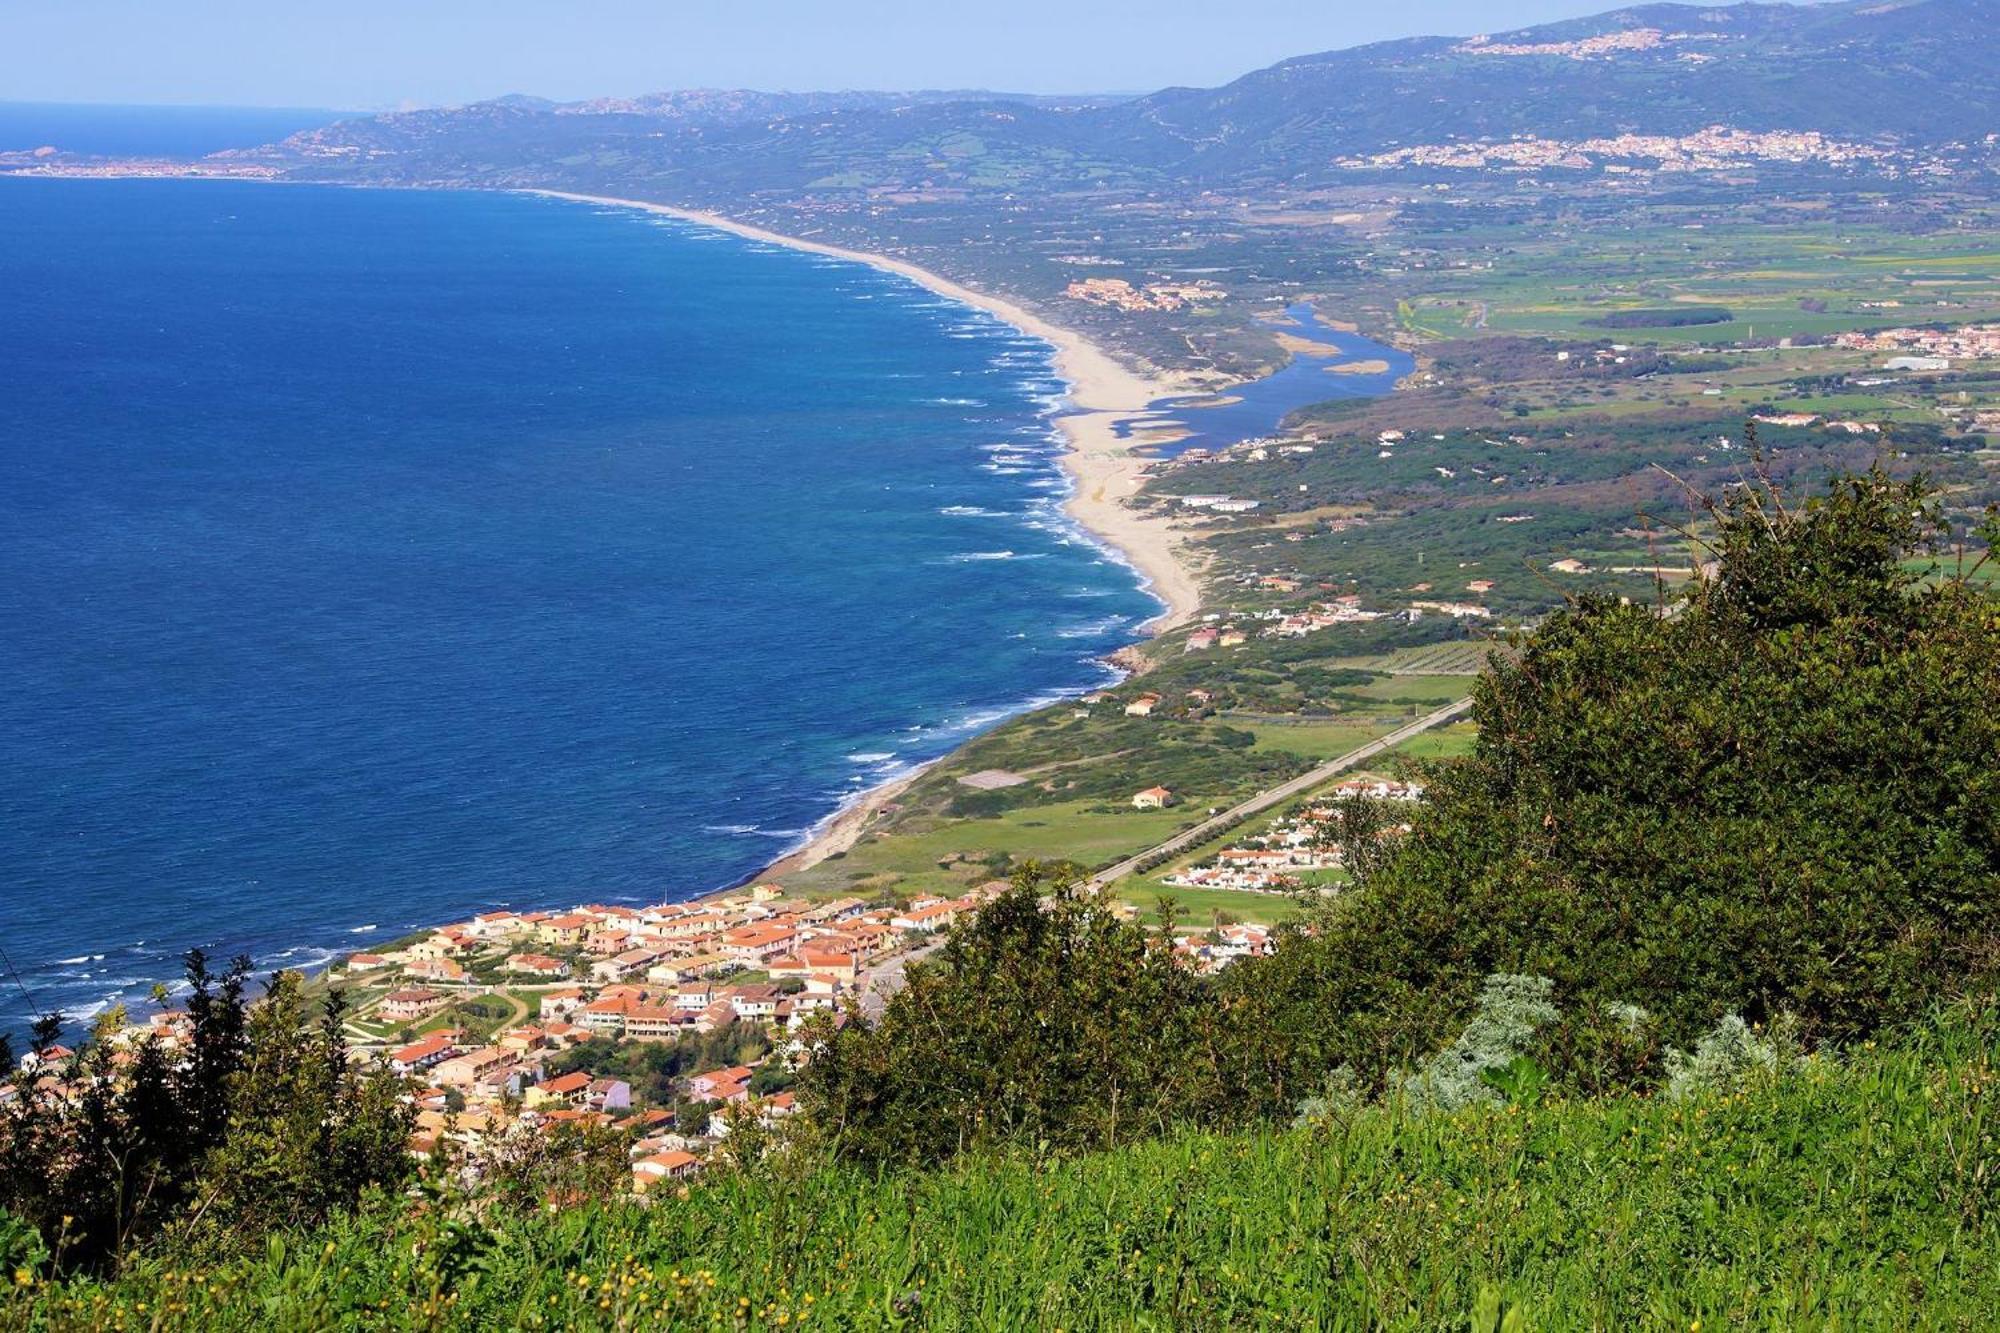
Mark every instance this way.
x=1106 y=470
x=1101 y=392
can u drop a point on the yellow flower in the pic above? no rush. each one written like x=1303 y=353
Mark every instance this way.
x=22 y=1277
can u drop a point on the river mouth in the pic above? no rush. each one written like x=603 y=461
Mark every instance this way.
x=1327 y=363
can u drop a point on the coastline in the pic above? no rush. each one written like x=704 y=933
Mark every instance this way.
x=1104 y=471
x=1100 y=392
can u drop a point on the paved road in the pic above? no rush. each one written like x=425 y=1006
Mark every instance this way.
x=1264 y=800
x=887 y=979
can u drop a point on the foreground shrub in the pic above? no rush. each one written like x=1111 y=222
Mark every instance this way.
x=1047 y=1022
x=1850 y=1193
x=1776 y=795
x=245 y=1119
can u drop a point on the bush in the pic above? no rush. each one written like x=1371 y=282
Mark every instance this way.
x=1775 y=796
x=254 y=1120
x=1045 y=1022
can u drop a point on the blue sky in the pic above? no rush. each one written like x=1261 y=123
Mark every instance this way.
x=366 y=54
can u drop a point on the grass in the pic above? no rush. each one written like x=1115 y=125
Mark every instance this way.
x=1198 y=907
x=1313 y=740
x=1853 y=1193
x=1441 y=659
x=948 y=853
x=1450 y=741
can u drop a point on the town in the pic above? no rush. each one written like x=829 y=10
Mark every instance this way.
x=1296 y=850
x=672 y=1026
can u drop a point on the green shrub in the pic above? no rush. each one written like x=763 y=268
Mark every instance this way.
x=1775 y=796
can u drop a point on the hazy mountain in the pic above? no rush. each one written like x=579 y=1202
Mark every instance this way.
x=1909 y=75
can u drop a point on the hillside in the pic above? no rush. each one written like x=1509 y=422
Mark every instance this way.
x=1916 y=77
x=1849 y=1192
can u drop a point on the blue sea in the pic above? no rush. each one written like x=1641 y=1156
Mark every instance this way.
x=376 y=557
x=149 y=131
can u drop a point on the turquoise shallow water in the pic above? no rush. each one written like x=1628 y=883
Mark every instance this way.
x=375 y=557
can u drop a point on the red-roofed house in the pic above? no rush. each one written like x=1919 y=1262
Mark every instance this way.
x=757 y=944
x=561 y=1003
x=436 y=969
x=570 y=928
x=413 y=1002
x=926 y=920
x=666 y=1166
x=536 y=965
x=568 y=1089
x=434 y=1049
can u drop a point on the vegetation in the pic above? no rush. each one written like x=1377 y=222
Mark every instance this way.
x=1774 y=798
x=1676 y=317
x=1054 y=1025
x=1674 y=1004
x=1777 y=800
x=654 y=1068
x=255 y=1121
x=1846 y=1190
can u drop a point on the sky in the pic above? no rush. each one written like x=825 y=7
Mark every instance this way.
x=381 y=54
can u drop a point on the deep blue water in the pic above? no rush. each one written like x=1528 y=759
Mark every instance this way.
x=150 y=131
x=1254 y=410
x=373 y=557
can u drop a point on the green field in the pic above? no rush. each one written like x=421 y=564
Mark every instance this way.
x=1199 y=908
x=1314 y=740
x=1443 y=659
x=1773 y=280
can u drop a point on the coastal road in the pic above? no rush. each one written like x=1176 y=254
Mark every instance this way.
x=886 y=980
x=1264 y=800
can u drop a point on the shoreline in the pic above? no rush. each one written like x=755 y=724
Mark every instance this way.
x=1098 y=391
x=1104 y=471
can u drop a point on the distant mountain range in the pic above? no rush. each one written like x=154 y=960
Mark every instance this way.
x=1878 y=81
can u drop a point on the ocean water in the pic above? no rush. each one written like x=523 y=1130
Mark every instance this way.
x=376 y=557
x=149 y=131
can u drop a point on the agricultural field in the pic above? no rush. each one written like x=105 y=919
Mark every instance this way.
x=1442 y=659
x=1770 y=282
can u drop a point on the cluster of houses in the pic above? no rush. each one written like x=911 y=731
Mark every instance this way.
x=1275 y=859
x=1122 y=295
x=1211 y=951
x=1972 y=342
x=1275 y=623
x=1716 y=148
x=623 y=974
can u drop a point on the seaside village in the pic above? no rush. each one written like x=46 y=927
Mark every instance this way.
x=742 y=972
x=498 y=1021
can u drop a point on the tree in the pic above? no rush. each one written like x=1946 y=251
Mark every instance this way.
x=1043 y=1021
x=253 y=1118
x=1775 y=794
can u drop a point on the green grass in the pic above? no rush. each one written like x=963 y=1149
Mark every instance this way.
x=1313 y=740
x=1199 y=906
x=1856 y=1193
x=1441 y=659
x=909 y=858
x=1450 y=741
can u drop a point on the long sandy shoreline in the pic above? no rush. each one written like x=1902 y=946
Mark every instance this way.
x=1101 y=392
x=1105 y=469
